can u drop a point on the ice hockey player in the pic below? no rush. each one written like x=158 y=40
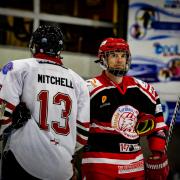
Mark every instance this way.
x=41 y=143
x=122 y=109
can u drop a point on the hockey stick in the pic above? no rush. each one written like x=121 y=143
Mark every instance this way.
x=172 y=123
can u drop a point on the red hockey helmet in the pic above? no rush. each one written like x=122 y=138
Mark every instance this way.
x=111 y=45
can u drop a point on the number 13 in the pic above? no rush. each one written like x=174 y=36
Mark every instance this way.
x=58 y=98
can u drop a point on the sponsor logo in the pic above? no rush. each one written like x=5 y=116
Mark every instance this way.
x=134 y=167
x=166 y=50
x=104 y=98
x=104 y=103
x=124 y=120
x=172 y=3
x=124 y=147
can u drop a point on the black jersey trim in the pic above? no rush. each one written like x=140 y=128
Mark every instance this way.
x=103 y=142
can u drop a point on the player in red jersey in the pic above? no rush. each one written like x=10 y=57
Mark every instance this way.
x=41 y=145
x=122 y=109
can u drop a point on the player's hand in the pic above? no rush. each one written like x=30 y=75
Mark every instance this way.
x=75 y=171
x=20 y=115
x=145 y=124
x=157 y=167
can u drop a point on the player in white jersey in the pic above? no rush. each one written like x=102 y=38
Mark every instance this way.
x=58 y=100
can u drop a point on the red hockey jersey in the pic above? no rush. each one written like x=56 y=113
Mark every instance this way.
x=113 y=145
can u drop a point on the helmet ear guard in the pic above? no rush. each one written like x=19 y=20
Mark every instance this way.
x=102 y=62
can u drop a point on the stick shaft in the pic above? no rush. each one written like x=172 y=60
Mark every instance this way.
x=172 y=123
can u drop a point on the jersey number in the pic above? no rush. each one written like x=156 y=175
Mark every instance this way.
x=58 y=98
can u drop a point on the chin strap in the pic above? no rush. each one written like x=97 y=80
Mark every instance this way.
x=117 y=72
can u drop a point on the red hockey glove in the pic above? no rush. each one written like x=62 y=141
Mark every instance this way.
x=145 y=124
x=157 y=167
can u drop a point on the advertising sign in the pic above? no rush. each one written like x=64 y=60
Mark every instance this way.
x=154 y=38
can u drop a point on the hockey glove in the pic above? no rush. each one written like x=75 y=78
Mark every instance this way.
x=145 y=124
x=157 y=167
x=20 y=115
x=75 y=169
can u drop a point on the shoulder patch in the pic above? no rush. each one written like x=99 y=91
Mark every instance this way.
x=142 y=83
x=7 y=67
x=93 y=83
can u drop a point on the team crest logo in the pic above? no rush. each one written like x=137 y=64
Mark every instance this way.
x=104 y=98
x=124 y=120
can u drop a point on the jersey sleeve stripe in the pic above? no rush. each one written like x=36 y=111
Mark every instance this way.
x=99 y=89
x=83 y=132
x=118 y=159
x=81 y=139
x=83 y=124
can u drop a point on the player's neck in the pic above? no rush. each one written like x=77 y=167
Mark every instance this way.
x=113 y=78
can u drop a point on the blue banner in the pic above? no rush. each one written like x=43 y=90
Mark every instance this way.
x=154 y=39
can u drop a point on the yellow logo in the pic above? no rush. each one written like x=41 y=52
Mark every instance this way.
x=104 y=98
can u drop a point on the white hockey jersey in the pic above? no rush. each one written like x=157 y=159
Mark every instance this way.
x=58 y=100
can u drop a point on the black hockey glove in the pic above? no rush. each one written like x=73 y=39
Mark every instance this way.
x=20 y=115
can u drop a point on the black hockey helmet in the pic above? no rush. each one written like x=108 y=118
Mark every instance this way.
x=47 y=39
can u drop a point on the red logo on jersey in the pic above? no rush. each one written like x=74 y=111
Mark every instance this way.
x=136 y=166
x=124 y=120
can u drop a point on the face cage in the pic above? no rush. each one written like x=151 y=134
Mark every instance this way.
x=116 y=72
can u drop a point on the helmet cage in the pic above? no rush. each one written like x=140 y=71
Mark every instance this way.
x=103 y=60
x=110 y=46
